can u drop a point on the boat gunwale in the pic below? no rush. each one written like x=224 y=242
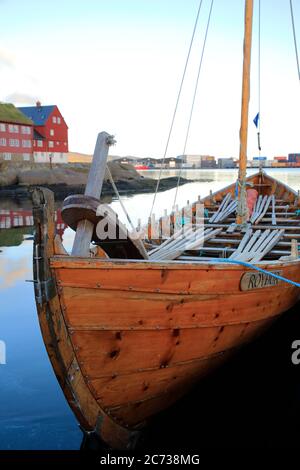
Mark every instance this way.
x=259 y=173
x=75 y=262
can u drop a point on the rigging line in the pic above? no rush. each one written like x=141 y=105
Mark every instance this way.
x=176 y=105
x=193 y=102
x=119 y=198
x=295 y=38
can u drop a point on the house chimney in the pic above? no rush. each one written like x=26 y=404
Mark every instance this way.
x=38 y=103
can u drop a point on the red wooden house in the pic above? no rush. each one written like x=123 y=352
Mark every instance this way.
x=16 y=134
x=50 y=139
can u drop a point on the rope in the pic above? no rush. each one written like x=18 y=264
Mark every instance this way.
x=295 y=38
x=252 y=266
x=176 y=105
x=193 y=102
x=119 y=198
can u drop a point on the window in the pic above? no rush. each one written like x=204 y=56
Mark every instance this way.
x=58 y=120
x=25 y=130
x=40 y=143
x=57 y=143
x=14 y=143
x=65 y=144
x=7 y=156
x=26 y=143
x=51 y=144
x=3 y=142
x=26 y=156
x=54 y=119
x=2 y=127
x=51 y=132
x=13 y=128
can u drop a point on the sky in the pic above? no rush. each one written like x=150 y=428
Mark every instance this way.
x=116 y=66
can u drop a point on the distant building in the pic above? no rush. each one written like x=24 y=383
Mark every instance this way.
x=226 y=163
x=294 y=157
x=16 y=134
x=198 y=161
x=50 y=138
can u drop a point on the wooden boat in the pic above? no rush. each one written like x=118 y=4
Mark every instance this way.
x=127 y=331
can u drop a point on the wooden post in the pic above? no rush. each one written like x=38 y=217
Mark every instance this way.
x=85 y=228
x=242 y=205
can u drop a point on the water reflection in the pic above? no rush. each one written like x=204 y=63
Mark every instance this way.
x=15 y=224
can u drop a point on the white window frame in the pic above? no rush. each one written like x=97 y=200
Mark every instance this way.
x=7 y=156
x=58 y=120
x=52 y=132
x=25 y=130
x=39 y=143
x=26 y=144
x=51 y=144
x=2 y=127
x=14 y=143
x=26 y=157
x=54 y=119
x=3 y=142
x=13 y=128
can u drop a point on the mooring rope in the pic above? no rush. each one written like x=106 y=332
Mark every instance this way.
x=176 y=106
x=295 y=38
x=193 y=102
x=253 y=266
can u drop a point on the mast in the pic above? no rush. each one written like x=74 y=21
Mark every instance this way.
x=242 y=211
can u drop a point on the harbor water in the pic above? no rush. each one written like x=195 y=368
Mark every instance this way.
x=254 y=401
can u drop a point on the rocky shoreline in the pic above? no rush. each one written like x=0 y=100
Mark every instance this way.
x=61 y=190
x=63 y=180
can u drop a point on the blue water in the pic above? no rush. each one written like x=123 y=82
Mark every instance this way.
x=33 y=411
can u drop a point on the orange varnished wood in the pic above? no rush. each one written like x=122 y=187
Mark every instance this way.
x=175 y=278
x=117 y=390
x=128 y=338
x=103 y=353
x=91 y=309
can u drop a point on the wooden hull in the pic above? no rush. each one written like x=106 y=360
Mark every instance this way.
x=128 y=338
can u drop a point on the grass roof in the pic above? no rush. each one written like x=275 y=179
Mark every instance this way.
x=9 y=113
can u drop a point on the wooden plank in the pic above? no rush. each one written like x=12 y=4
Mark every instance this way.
x=268 y=246
x=249 y=248
x=85 y=228
x=242 y=244
x=264 y=210
x=190 y=244
x=273 y=211
x=87 y=309
x=104 y=353
x=221 y=207
x=119 y=390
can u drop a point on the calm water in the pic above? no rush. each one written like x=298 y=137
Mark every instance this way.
x=33 y=411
